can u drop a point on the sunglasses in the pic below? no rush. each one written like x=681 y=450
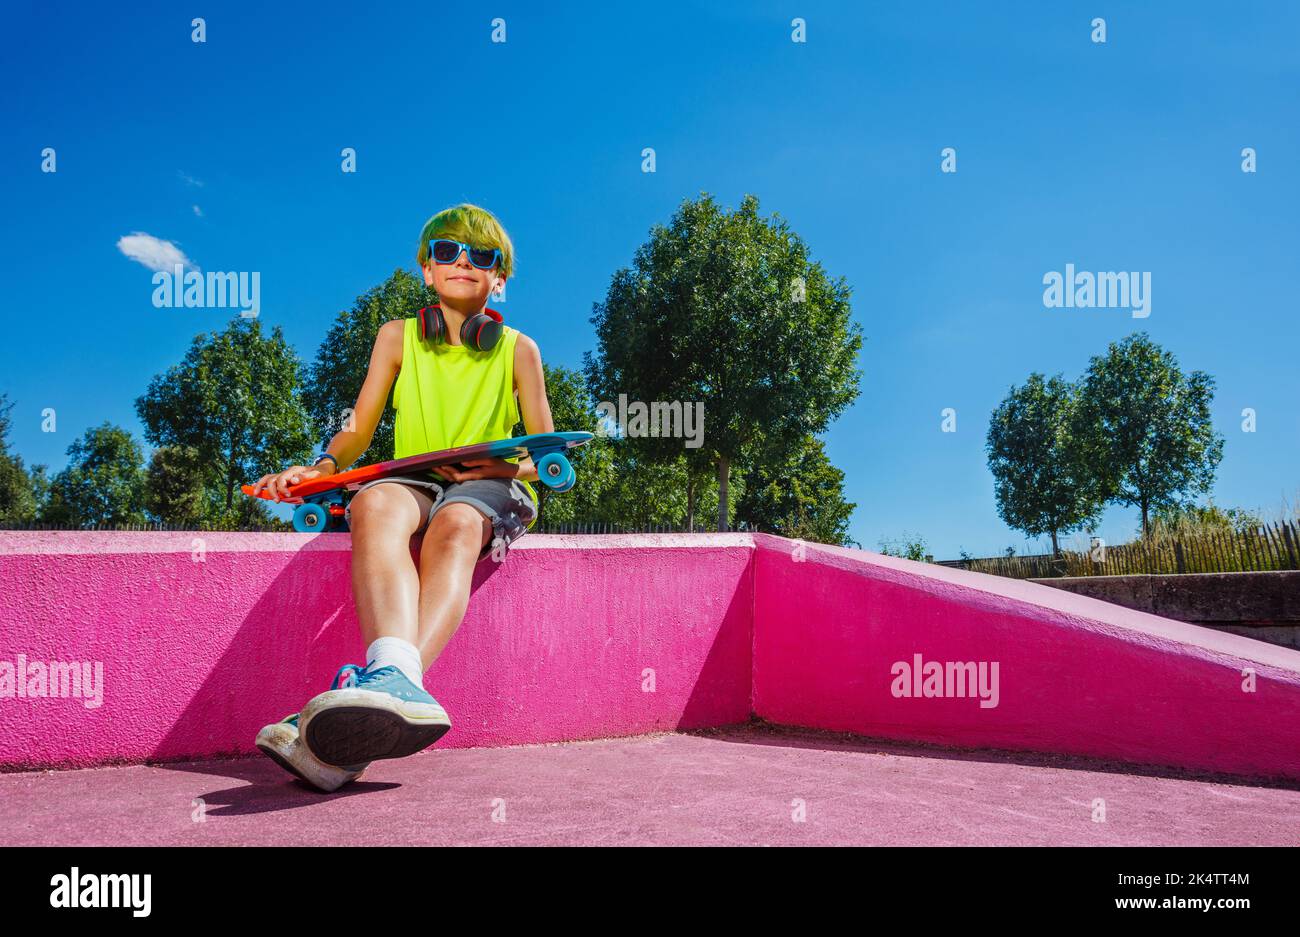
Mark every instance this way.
x=446 y=251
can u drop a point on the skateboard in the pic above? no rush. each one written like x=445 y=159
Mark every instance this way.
x=320 y=500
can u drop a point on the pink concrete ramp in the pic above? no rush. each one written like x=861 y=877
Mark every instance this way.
x=133 y=647
x=889 y=648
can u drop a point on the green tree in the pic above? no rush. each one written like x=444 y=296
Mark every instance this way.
x=1194 y=520
x=335 y=376
x=726 y=308
x=1156 y=444
x=906 y=547
x=235 y=400
x=20 y=495
x=633 y=318
x=1038 y=452
x=175 y=490
x=622 y=482
x=648 y=491
x=39 y=478
x=103 y=483
x=803 y=498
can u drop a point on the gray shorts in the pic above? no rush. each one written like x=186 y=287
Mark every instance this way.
x=503 y=501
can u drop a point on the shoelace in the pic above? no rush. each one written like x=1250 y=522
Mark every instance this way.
x=349 y=675
x=368 y=675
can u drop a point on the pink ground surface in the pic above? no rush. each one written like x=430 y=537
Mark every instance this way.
x=729 y=786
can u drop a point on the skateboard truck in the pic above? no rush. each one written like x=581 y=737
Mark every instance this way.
x=319 y=513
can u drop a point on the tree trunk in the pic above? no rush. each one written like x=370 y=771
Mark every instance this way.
x=1056 y=549
x=690 y=503
x=1146 y=530
x=724 y=470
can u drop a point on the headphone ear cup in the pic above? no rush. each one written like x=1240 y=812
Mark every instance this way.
x=432 y=325
x=480 y=332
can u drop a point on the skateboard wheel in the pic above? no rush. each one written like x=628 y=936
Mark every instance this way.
x=310 y=518
x=555 y=471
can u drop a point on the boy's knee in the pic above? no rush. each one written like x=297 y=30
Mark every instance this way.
x=382 y=504
x=457 y=520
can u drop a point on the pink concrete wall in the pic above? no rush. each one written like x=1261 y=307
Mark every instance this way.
x=1074 y=674
x=200 y=649
x=560 y=641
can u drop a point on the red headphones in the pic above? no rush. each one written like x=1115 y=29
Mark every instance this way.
x=480 y=332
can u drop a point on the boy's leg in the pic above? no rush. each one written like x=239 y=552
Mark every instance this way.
x=385 y=582
x=387 y=713
x=467 y=518
x=451 y=548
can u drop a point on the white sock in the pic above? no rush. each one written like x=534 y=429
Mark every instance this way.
x=394 y=652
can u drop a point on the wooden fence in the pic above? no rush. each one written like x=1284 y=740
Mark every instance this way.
x=1267 y=547
x=1042 y=566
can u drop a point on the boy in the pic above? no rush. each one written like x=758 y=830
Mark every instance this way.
x=461 y=378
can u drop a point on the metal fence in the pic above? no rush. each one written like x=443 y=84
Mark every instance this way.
x=576 y=527
x=601 y=527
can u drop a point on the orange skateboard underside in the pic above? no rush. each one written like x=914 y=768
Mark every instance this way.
x=517 y=447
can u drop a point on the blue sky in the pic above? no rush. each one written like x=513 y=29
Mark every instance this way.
x=1115 y=156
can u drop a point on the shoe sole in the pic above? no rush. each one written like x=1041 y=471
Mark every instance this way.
x=284 y=763
x=272 y=748
x=354 y=726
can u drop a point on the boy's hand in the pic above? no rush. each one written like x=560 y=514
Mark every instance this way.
x=277 y=484
x=478 y=468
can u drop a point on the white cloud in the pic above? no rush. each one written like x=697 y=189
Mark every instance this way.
x=156 y=254
x=198 y=211
x=188 y=179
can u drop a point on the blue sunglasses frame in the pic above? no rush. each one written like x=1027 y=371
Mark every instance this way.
x=467 y=250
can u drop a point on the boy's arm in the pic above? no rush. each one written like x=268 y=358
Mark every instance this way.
x=531 y=382
x=385 y=361
x=533 y=405
x=348 y=444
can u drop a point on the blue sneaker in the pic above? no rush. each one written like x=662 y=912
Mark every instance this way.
x=281 y=742
x=384 y=715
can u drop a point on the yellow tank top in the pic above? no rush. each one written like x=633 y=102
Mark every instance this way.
x=450 y=395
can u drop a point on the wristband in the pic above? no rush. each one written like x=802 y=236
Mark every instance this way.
x=325 y=455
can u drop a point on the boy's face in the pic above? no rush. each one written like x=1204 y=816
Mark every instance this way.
x=461 y=280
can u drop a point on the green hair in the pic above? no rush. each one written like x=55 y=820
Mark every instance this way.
x=471 y=225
